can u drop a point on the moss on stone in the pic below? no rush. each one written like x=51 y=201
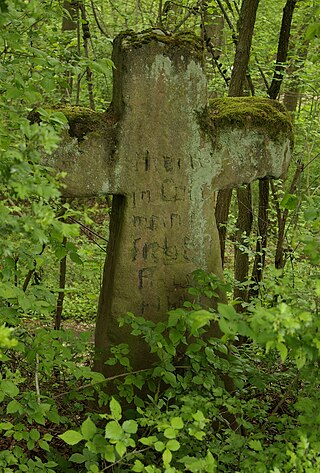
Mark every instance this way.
x=183 y=39
x=83 y=121
x=250 y=112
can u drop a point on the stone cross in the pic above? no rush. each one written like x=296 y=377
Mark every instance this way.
x=162 y=151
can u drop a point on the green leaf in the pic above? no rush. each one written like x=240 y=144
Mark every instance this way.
x=255 y=445
x=71 y=437
x=198 y=416
x=115 y=409
x=121 y=449
x=173 y=445
x=177 y=423
x=138 y=466
x=167 y=457
x=199 y=319
x=102 y=66
x=75 y=258
x=159 y=446
x=13 y=406
x=300 y=358
x=289 y=202
x=227 y=311
x=88 y=429
x=77 y=458
x=170 y=433
x=9 y=388
x=34 y=434
x=109 y=454
x=44 y=445
x=5 y=425
x=225 y=327
x=283 y=351
x=130 y=426
x=313 y=30
x=113 y=431
x=148 y=440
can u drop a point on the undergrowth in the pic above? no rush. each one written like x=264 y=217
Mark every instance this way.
x=208 y=405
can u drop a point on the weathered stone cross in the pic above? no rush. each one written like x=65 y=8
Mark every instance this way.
x=161 y=151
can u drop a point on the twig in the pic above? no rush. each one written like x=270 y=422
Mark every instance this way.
x=134 y=452
x=36 y=376
x=187 y=15
x=88 y=229
x=226 y=16
x=117 y=376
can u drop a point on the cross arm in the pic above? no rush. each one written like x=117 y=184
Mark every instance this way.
x=87 y=154
x=252 y=138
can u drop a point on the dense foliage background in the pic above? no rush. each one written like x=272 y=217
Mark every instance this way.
x=248 y=401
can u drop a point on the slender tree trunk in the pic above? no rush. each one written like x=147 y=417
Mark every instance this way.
x=283 y=46
x=247 y=20
x=261 y=244
x=241 y=258
x=273 y=92
x=86 y=37
x=62 y=285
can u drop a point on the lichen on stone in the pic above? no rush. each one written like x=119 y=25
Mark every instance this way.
x=250 y=112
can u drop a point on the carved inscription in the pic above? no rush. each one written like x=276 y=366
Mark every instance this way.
x=142 y=222
x=171 y=192
x=145 y=277
x=175 y=220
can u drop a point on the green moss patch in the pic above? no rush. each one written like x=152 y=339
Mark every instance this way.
x=183 y=39
x=250 y=112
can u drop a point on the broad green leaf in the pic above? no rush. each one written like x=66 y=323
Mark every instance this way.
x=75 y=258
x=148 y=440
x=130 y=426
x=9 y=388
x=13 y=406
x=109 y=454
x=44 y=445
x=289 y=202
x=159 y=446
x=199 y=319
x=121 y=448
x=77 y=458
x=173 y=445
x=88 y=429
x=177 y=423
x=113 y=431
x=166 y=456
x=115 y=409
x=198 y=416
x=170 y=433
x=71 y=437
x=227 y=311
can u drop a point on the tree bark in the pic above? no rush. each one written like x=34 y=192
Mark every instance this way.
x=273 y=92
x=283 y=46
x=261 y=244
x=241 y=257
x=246 y=25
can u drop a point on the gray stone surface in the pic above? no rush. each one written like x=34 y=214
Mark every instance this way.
x=161 y=152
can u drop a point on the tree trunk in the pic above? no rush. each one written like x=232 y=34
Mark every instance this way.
x=283 y=46
x=246 y=25
x=241 y=257
x=261 y=244
x=273 y=92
